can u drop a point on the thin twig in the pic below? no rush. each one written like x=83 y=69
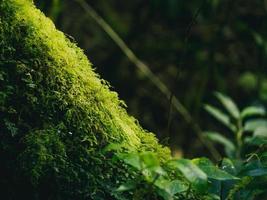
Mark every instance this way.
x=146 y=70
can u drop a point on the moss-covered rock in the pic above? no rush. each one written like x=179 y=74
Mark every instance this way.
x=57 y=114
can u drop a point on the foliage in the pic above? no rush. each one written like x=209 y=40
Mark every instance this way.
x=240 y=176
x=248 y=127
x=245 y=146
x=175 y=179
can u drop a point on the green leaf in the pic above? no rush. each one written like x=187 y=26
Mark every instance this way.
x=132 y=159
x=253 y=124
x=228 y=166
x=255 y=141
x=176 y=187
x=229 y=146
x=211 y=170
x=192 y=173
x=254 y=168
x=259 y=137
x=170 y=187
x=229 y=105
x=220 y=116
x=253 y=111
x=126 y=187
x=260 y=132
x=257 y=172
x=149 y=159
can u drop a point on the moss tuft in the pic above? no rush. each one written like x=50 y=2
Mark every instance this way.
x=57 y=114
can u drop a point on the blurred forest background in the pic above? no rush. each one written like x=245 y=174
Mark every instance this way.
x=226 y=52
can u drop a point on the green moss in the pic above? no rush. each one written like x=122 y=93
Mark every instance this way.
x=57 y=114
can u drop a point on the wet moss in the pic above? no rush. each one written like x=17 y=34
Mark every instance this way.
x=57 y=114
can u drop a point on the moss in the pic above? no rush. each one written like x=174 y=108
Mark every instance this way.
x=57 y=114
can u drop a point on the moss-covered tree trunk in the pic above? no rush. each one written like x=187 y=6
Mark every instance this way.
x=56 y=114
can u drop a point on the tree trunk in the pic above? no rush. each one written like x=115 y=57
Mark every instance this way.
x=57 y=115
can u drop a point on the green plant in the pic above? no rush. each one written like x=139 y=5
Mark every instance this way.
x=245 y=147
x=173 y=179
x=248 y=126
x=241 y=175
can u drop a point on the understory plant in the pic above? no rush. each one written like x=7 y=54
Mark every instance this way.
x=240 y=175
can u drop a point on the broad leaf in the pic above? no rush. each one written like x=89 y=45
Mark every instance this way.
x=211 y=170
x=220 y=116
x=229 y=105
x=259 y=137
x=257 y=172
x=132 y=159
x=149 y=159
x=254 y=169
x=252 y=125
x=170 y=187
x=253 y=111
x=192 y=173
x=228 y=166
x=176 y=187
x=255 y=141
x=150 y=162
x=260 y=132
x=229 y=147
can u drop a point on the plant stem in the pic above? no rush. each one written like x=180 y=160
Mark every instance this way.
x=239 y=140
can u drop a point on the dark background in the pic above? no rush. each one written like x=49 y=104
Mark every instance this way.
x=226 y=52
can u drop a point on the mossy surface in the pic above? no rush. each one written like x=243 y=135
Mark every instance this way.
x=57 y=114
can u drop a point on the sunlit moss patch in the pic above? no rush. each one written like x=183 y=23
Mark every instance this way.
x=57 y=114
